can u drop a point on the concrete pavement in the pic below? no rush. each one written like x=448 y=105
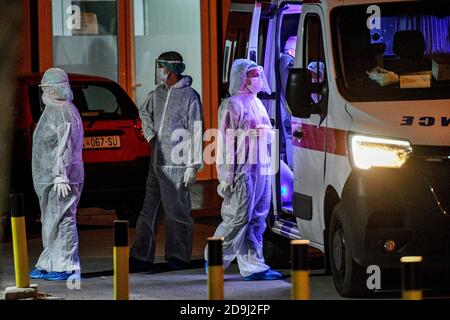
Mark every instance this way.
x=95 y=236
x=96 y=241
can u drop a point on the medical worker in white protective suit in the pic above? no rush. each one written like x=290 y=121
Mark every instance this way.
x=173 y=106
x=245 y=134
x=58 y=176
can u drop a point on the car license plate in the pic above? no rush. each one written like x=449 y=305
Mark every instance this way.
x=102 y=142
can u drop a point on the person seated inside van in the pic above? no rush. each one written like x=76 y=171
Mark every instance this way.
x=287 y=61
x=317 y=70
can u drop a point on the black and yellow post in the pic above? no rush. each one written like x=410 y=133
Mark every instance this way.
x=412 y=278
x=121 y=265
x=215 y=269
x=19 y=236
x=300 y=270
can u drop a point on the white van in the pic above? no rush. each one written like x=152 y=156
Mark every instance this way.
x=365 y=140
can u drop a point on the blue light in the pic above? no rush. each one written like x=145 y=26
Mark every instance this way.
x=284 y=191
x=285 y=196
x=286 y=183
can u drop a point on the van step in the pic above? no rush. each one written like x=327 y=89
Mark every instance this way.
x=286 y=234
x=287 y=229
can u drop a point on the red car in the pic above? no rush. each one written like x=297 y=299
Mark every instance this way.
x=116 y=154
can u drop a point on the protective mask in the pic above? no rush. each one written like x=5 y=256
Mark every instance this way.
x=256 y=85
x=161 y=75
x=291 y=53
x=64 y=91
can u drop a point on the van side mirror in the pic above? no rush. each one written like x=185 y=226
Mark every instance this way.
x=298 y=94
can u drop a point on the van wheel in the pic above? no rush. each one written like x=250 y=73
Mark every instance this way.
x=276 y=250
x=349 y=277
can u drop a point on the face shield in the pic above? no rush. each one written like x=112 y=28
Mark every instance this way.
x=258 y=80
x=176 y=67
x=58 y=91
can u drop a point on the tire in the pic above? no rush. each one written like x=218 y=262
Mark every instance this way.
x=276 y=250
x=349 y=277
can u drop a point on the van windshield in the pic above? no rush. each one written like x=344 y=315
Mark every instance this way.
x=396 y=51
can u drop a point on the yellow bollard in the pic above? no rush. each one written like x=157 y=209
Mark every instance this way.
x=412 y=278
x=300 y=270
x=121 y=265
x=215 y=269
x=19 y=235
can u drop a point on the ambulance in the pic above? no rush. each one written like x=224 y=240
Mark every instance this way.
x=362 y=105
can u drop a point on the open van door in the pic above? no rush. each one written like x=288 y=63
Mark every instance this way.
x=277 y=42
x=260 y=31
x=265 y=32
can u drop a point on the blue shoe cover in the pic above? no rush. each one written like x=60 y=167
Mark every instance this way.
x=269 y=274
x=37 y=274
x=58 y=276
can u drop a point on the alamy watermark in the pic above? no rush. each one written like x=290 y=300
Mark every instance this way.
x=374 y=280
x=374 y=21
x=74 y=281
x=73 y=22
x=259 y=146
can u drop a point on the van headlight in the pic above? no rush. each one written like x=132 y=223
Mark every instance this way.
x=368 y=152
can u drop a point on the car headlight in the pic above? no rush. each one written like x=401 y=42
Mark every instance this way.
x=368 y=152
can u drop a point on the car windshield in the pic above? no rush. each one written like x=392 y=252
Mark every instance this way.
x=397 y=51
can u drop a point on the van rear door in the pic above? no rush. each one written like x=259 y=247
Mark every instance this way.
x=280 y=62
x=277 y=24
